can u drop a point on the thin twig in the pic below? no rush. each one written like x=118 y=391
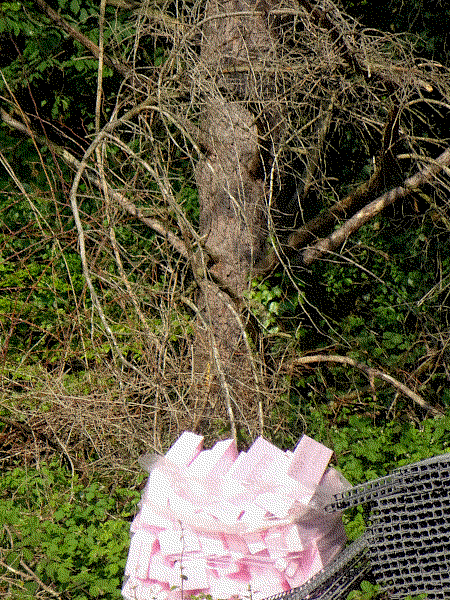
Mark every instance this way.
x=31 y=575
x=122 y=200
x=39 y=581
x=317 y=152
x=251 y=358
x=88 y=279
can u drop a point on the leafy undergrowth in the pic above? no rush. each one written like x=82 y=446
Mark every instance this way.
x=66 y=536
x=61 y=536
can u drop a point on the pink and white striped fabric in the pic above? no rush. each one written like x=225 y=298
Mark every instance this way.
x=229 y=524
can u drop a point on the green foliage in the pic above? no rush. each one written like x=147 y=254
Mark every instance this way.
x=188 y=199
x=73 y=535
x=366 y=450
x=382 y=306
x=367 y=591
x=44 y=308
x=265 y=302
x=48 y=71
x=39 y=278
x=367 y=444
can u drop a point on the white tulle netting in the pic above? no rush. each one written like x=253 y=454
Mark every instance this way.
x=233 y=524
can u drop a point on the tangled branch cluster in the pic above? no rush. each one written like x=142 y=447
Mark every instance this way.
x=320 y=80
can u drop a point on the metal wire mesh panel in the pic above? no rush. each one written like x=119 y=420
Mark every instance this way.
x=409 y=532
x=406 y=545
x=342 y=575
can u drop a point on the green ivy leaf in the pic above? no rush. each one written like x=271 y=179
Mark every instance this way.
x=75 y=6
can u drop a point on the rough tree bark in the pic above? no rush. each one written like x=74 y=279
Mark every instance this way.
x=236 y=45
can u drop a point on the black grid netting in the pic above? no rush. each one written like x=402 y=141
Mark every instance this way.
x=406 y=545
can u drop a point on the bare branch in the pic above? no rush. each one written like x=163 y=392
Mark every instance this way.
x=314 y=159
x=339 y=236
x=324 y=222
x=323 y=20
x=124 y=202
x=41 y=584
x=370 y=372
x=31 y=575
x=87 y=275
x=361 y=65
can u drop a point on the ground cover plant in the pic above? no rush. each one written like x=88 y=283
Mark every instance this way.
x=63 y=537
x=66 y=535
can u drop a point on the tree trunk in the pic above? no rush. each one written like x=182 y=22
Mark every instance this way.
x=232 y=194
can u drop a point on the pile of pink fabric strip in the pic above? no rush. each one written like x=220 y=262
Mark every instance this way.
x=233 y=524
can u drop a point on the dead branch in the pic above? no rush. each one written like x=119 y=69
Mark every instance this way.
x=29 y=575
x=339 y=236
x=371 y=374
x=323 y=20
x=285 y=76
x=356 y=199
x=27 y=430
x=318 y=150
x=361 y=65
x=124 y=202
